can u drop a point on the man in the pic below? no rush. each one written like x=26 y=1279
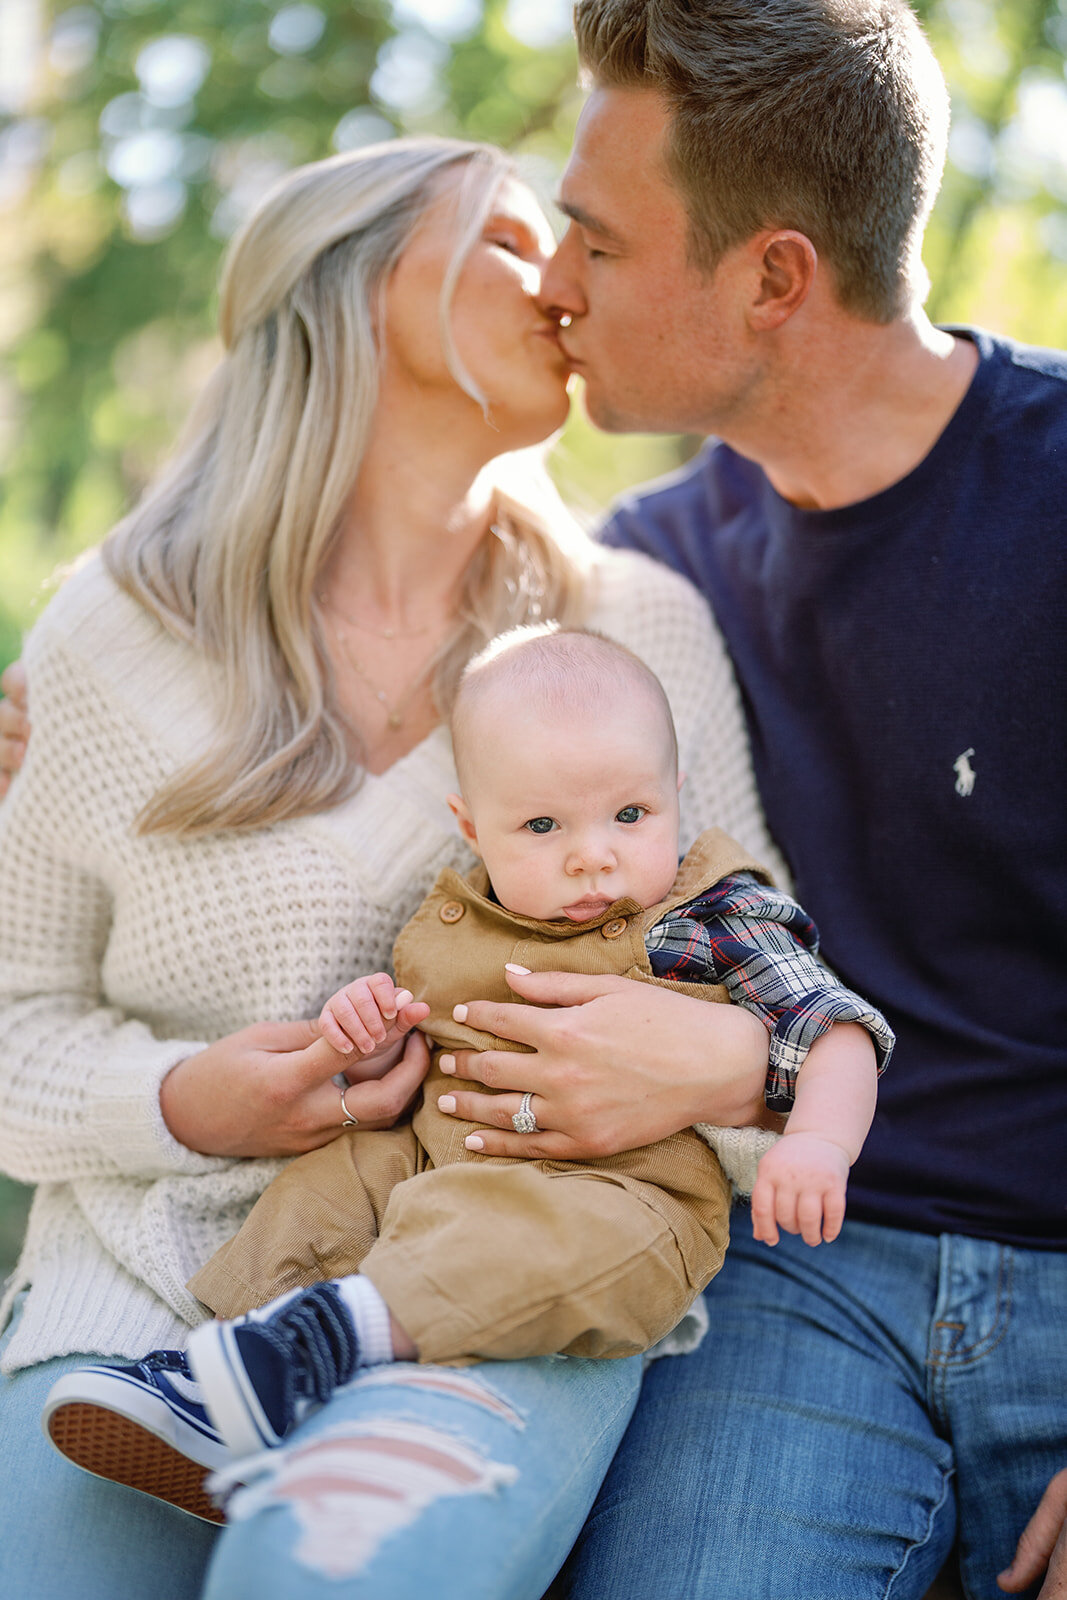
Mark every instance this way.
x=880 y=535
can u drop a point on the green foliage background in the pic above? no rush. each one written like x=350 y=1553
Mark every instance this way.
x=119 y=181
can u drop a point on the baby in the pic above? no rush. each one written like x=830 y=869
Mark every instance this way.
x=405 y=1243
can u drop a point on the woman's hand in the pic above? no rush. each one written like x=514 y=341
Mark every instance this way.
x=268 y=1091
x=618 y=1065
x=14 y=723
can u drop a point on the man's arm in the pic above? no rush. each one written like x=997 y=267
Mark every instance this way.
x=615 y=1065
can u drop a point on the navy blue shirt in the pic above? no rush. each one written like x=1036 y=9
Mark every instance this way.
x=903 y=664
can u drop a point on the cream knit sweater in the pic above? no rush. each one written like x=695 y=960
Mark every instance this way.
x=121 y=955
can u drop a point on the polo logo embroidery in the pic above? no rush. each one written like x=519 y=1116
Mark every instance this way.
x=965 y=773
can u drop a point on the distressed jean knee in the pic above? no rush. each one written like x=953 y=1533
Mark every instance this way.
x=355 y=1483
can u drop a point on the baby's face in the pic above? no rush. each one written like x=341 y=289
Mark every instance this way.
x=573 y=812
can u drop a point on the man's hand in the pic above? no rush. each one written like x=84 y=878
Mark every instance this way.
x=800 y=1186
x=269 y=1091
x=617 y=1065
x=1042 y=1545
x=14 y=723
x=371 y=1017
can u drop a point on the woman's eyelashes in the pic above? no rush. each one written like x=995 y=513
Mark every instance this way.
x=514 y=239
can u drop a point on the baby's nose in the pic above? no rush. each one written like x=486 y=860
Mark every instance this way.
x=592 y=855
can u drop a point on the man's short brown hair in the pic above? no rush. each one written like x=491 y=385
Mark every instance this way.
x=827 y=116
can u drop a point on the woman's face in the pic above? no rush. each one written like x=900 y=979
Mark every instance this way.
x=504 y=341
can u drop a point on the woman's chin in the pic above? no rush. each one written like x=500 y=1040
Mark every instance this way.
x=511 y=432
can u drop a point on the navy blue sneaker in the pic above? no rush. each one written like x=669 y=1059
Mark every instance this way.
x=261 y=1374
x=143 y=1425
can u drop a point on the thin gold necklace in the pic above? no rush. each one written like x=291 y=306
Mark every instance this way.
x=394 y=712
x=365 y=627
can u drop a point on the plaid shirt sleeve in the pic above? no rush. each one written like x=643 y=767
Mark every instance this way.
x=763 y=947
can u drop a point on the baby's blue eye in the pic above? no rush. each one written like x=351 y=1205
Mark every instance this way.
x=540 y=824
x=630 y=814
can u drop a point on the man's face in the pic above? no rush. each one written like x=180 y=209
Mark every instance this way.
x=662 y=346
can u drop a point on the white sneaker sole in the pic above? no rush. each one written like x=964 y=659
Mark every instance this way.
x=118 y=1430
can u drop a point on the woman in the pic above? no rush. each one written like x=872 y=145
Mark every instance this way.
x=233 y=799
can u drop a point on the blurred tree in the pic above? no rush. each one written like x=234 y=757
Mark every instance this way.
x=997 y=246
x=150 y=130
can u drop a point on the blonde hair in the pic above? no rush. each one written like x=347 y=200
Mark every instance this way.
x=227 y=544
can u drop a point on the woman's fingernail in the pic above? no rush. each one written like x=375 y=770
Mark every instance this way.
x=474 y=1141
x=509 y=966
x=446 y=1102
x=447 y=1065
x=403 y=997
x=459 y=1013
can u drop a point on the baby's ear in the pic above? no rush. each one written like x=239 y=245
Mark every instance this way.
x=681 y=780
x=461 y=811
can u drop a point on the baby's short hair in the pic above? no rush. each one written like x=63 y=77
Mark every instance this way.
x=558 y=667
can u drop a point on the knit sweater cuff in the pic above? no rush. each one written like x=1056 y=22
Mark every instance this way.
x=739 y=1151
x=124 y=1116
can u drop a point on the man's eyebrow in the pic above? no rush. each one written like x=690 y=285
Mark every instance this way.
x=585 y=219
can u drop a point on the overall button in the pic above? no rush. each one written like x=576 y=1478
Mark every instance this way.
x=451 y=911
x=612 y=929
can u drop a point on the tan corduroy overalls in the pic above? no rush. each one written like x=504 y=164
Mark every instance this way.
x=486 y=1256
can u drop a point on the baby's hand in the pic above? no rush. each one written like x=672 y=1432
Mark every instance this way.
x=370 y=1016
x=800 y=1186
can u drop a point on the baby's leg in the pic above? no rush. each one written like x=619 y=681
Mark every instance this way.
x=506 y=1259
x=497 y=1259
x=317 y=1220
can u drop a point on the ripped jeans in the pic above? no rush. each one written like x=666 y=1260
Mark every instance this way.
x=464 y=1483
x=420 y=1480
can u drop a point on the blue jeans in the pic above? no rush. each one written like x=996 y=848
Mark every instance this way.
x=853 y=1410
x=467 y=1484
x=65 y=1535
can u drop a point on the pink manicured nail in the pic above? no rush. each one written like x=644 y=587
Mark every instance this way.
x=459 y=1013
x=446 y=1102
x=509 y=966
x=474 y=1141
x=447 y=1065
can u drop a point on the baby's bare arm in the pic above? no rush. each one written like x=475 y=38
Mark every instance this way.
x=801 y=1182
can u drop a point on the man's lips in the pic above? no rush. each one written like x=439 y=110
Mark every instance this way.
x=551 y=336
x=584 y=910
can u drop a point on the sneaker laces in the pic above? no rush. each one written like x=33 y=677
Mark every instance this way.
x=175 y=1364
x=317 y=1329
x=168 y=1361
